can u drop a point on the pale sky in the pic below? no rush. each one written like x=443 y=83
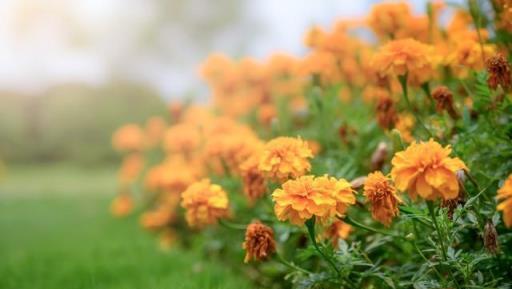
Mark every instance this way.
x=47 y=42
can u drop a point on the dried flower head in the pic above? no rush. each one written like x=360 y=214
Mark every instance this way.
x=426 y=169
x=379 y=156
x=505 y=196
x=285 y=157
x=491 y=238
x=444 y=101
x=499 y=72
x=381 y=195
x=259 y=242
x=307 y=196
x=386 y=112
x=254 y=182
x=205 y=203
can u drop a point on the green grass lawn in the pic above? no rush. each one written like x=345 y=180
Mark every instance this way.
x=56 y=232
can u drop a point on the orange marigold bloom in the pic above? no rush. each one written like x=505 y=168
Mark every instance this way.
x=388 y=19
x=337 y=231
x=285 y=157
x=404 y=124
x=205 y=203
x=130 y=168
x=182 y=138
x=467 y=55
x=122 y=205
x=426 y=169
x=259 y=242
x=505 y=196
x=405 y=56
x=308 y=196
x=129 y=137
x=154 y=131
x=157 y=218
x=254 y=182
x=381 y=195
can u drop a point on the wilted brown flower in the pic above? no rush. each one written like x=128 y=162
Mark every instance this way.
x=386 y=112
x=253 y=180
x=491 y=238
x=444 y=101
x=379 y=156
x=499 y=72
x=259 y=242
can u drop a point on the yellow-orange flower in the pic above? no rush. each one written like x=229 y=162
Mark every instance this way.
x=381 y=195
x=404 y=124
x=285 y=157
x=337 y=231
x=154 y=131
x=388 y=19
x=467 y=55
x=426 y=169
x=122 y=205
x=308 y=196
x=505 y=196
x=205 y=203
x=129 y=137
x=405 y=56
x=182 y=138
x=254 y=182
x=259 y=242
x=157 y=218
x=131 y=168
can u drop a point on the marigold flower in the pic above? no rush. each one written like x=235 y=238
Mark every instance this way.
x=254 y=182
x=499 y=72
x=337 y=231
x=405 y=56
x=285 y=157
x=182 y=138
x=308 y=196
x=505 y=196
x=129 y=137
x=205 y=203
x=467 y=55
x=122 y=205
x=154 y=131
x=426 y=169
x=259 y=242
x=381 y=195
x=130 y=168
x=388 y=19
x=404 y=124
x=157 y=218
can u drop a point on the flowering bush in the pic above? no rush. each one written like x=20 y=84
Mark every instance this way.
x=363 y=164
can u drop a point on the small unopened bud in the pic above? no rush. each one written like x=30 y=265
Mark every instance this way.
x=379 y=156
x=490 y=238
x=444 y=101
x=499 y=72
x=358 y=182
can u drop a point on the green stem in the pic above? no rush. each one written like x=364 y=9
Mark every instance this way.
x=355 y=223
x=310 y=225
x=430 y=206
x=403 y=83
x=291 y=265
x=229 y=225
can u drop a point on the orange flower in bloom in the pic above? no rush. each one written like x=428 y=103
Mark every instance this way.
x=285 y=157
x=155 y=128
x=131 y=168
x=254 y=182
x=122 y=205
x=426 y=169
x=505 y=196
x=324 y=197
x=467 y=55
x=381 y=195
x=323 y=65
x=157 y=218
x=337 y=231
x=259 y=242
x=405 y=56
x=404 y=124
x=314 y=37
x=182 y=138
x=129 y=137
x=205 y=203
x=388 y=19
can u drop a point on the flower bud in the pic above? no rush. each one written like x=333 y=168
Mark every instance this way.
x=490 y=238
